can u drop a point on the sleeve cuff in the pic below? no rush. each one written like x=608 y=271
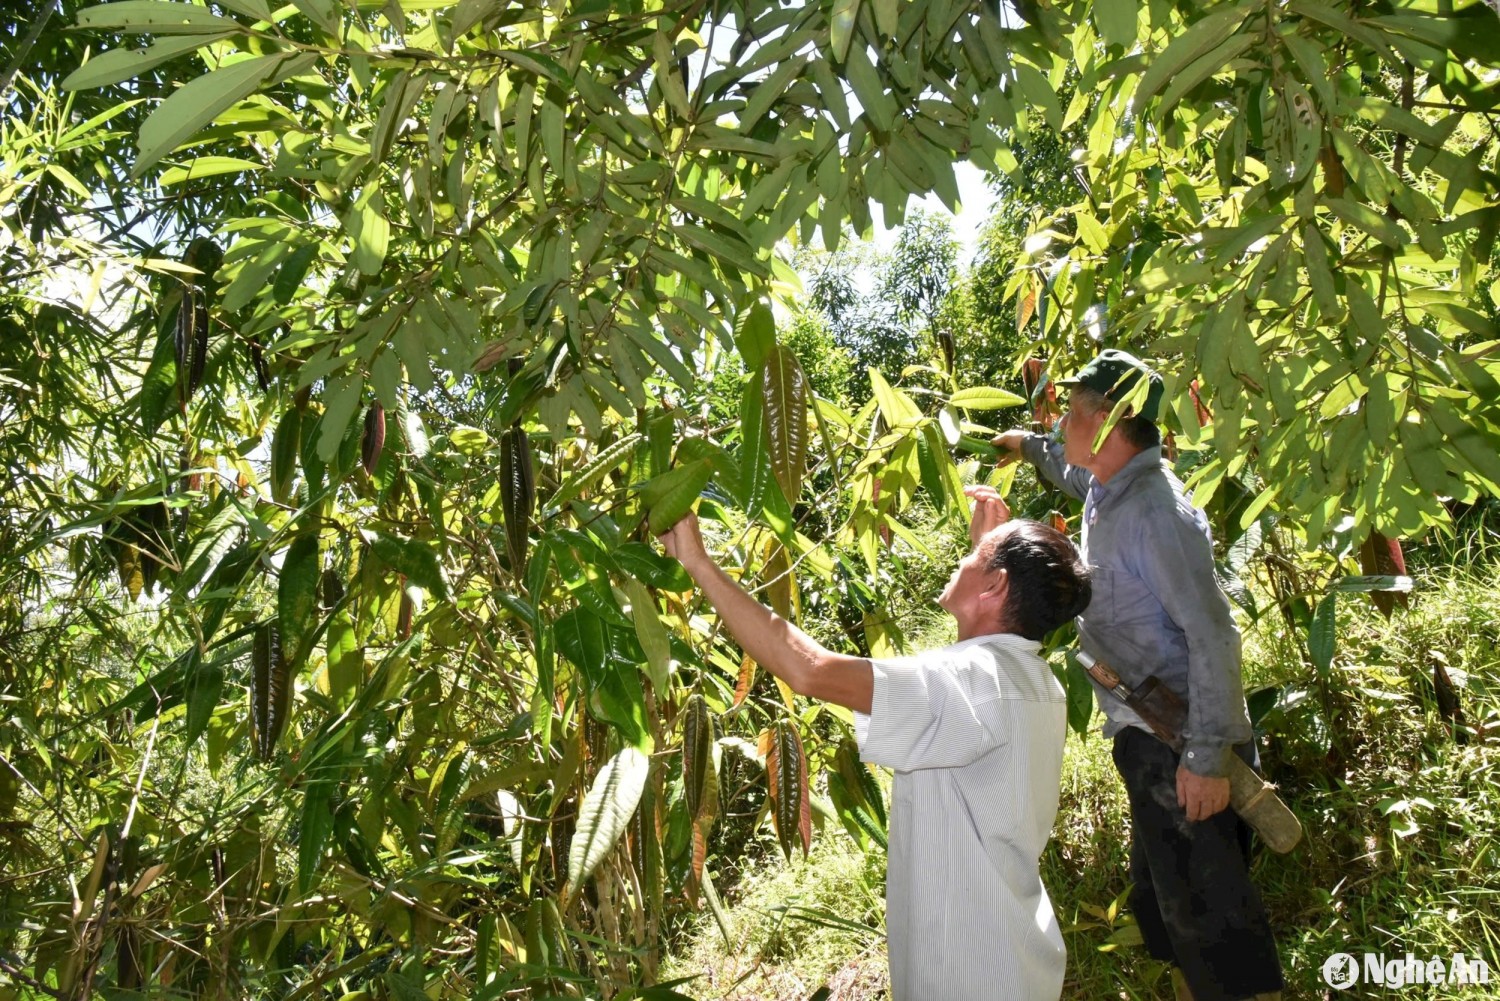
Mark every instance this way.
x=1209 y=758
x=1034 y=448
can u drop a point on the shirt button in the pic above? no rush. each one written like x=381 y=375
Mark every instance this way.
x=1192 y=755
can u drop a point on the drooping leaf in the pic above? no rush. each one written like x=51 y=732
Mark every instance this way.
x=270 y=689
x=1322 y=633
x=698 y=771
x=297 y=592
x=652 y=635
x=316 y=826
x=372 y=441
x=517 y=494
x=786 y=786
x=784 y=395
x=606 y=812
x=286 y=442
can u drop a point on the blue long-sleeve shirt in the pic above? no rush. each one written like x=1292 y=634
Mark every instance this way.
x=1157 y=608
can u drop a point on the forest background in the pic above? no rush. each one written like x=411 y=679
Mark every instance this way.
x=352 y=351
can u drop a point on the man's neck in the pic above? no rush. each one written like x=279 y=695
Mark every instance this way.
x=1113 y=457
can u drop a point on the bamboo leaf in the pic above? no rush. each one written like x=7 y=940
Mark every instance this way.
x=286 y=442
x=1206 y=34
x=200 y=102
x=784 y=395
x=119 y=65
x=607 y=808
x=155 y=17
x=841 y=27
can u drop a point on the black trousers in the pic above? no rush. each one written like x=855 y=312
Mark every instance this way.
x=1193 y=898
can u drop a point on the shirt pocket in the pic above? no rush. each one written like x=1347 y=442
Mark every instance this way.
x=1120 y=599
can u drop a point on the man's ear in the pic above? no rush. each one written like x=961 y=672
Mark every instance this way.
x=999 y=588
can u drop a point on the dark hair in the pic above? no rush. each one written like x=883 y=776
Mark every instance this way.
x=1048 y=581
x=1137 y=431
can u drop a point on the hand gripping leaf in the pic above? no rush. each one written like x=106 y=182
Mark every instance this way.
x=786 y=777
x=671 y=495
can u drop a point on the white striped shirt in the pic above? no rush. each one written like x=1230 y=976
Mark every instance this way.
x=975 y=733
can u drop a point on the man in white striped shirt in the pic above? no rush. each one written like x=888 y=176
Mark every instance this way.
x=974 y=732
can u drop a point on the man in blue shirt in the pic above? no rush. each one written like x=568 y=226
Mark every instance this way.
x=1157 y=610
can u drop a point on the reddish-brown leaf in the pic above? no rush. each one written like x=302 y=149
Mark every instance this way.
x=745 y=682
x=786 y=779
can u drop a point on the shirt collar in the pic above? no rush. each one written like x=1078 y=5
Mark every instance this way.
x=1004 y=639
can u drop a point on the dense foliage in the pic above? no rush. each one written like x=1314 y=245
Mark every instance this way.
x=352 y=350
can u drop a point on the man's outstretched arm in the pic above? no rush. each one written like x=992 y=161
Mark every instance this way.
x=772 y=642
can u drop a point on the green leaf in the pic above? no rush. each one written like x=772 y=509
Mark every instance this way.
x=671 y=495
x=606 y=812
x=159 y=385
x=896 y=407
x=313 y=832
x=583 y=640
x=841 y=27
x=1117 y=21
x=199 y=102
x=985 y=398
x=285 y=444
x=155 y=17
x=606 y=460
x=784 y=397
x=652 y=635
x=1203 y=37
x=207 y=166
x=416 y=559
x=341 y=400
x=297 y=592
x=371 y=233
x=205 y=683
x=119 y=65
x=1322 y=633
x=346 y=659
x=699 y=778
x=1080 y=692
x=755 y=335
x=1040 y=93
x=728 y=250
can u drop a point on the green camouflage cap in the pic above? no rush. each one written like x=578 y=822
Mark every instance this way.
x=1114 y=374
